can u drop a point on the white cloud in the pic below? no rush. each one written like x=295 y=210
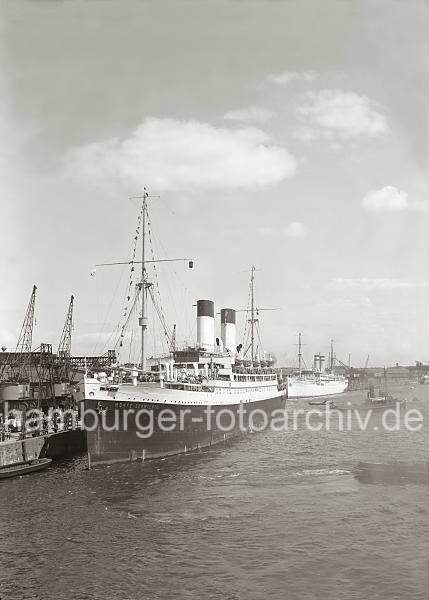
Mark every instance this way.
x=368 y=283
x=339 y=114
x=286 y=77
x=388 y=198
x=391 y=199
x=167 y=154
x=250 y=114
x=295 y=230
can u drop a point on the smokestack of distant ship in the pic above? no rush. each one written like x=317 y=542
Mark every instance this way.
x=319 y=362
x=228 y=330
x=316 y=363
x=205 y=325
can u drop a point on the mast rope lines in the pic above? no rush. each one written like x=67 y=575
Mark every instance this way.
x=157 y=304
x=252 y=331
x=128 y=309
x=144 y=285
x=120 y=341
x=127 y=294
x=177 y=291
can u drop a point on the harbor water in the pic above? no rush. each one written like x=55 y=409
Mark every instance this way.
x=273 y=515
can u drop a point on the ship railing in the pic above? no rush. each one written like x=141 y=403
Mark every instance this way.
x=189 y=387
x=246 y=377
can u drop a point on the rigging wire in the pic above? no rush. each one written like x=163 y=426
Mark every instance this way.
x=106 y=317
x=158 y=306
x=127 y=308
x=120 y=340
x=123 y=332
x=181 y=294
x=127 y=293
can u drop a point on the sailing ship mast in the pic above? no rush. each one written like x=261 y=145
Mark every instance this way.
x=300 y=354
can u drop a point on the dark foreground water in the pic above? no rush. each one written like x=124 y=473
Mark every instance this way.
x=274 y=515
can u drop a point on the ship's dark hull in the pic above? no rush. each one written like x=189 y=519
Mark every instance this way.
x=124 y=444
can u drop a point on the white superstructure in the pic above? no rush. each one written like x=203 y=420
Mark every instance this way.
x=233 y=389
x=315 y=384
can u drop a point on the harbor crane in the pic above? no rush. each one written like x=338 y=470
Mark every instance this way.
x=366 y=363
x=64 y=347
x=25 y=339
x=173 y=339
x=21 y=359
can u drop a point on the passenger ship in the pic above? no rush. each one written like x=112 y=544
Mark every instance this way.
x=312 y=384
x=316 y=382
x=186 y=400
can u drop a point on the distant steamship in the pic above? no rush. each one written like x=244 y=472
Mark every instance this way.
x=316 y=382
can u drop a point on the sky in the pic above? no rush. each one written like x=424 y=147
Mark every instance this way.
x=292 y=135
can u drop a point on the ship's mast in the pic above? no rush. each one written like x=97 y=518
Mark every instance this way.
x=144 y=285
x=300 y=354
x=252 y=313
x=142 y=320
x=253 y=330
x=253 y=319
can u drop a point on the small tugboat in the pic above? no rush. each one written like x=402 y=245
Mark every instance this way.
x=24 y=468
x=382 y=400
